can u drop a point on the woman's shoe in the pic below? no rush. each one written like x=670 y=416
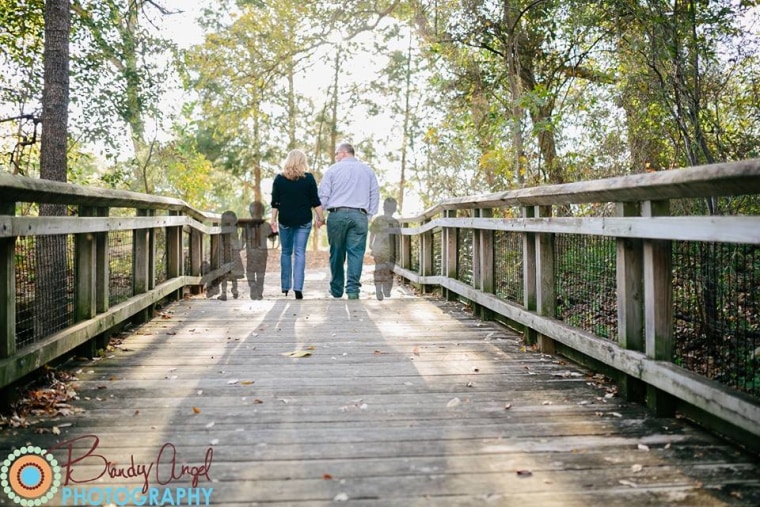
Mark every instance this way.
x=299 y=294
x=285 y=293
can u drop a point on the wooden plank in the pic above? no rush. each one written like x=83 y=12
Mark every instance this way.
x=734 y=407
x=659 y=341
x=400 y=402
x=629 y=275
x=546 y=293
x=25 y=189
x=727 y=229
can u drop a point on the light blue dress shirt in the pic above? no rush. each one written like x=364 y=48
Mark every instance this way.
x=351 y=184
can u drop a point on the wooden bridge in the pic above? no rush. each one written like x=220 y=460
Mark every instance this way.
x=464 y=387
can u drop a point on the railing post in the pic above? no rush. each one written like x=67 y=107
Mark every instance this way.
x=450 y=261
x=630 y=294
x=215 y=258
x=426 y=257
x=476 y=254
x=658 y=305
x=174 y=266
x=529 y=274
x=546 y=293
x=405 y=256
x=7 y=288
x=102 y=267
x=151 y=253
x=485 y=261
x=196 y=256
x=143 y=255
x=140 y=257
x=85 y=271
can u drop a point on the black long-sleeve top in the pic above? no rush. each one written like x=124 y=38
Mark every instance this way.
x=294 y=199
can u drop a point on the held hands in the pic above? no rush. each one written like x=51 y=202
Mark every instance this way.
x=319 y=222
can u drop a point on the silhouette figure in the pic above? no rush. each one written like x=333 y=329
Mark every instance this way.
x=231 y=254
x=255 y=235
x=383 y=233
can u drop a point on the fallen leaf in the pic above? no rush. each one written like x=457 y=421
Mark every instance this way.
x=297 y=353
x=628 y=483
x=258 y=401
x=507 y=406
x=524 y=473
x=246 y=382
x=341 y=497
x=453 y=402
x=232 y=382
x=55 y=430
x=196 y=410
x=636 y=468
x=416 y=351
x=643 y=447
x=327 y=477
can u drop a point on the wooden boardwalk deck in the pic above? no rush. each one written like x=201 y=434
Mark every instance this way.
x=402 y=402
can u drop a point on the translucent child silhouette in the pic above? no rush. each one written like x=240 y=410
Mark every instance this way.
x=231 y=248
x=383 y=233
x=255 y=234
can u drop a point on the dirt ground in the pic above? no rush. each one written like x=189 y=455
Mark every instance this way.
x=314 y=259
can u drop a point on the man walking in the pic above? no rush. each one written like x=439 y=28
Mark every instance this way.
x=350 y=193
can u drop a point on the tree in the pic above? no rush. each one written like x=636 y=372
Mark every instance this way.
x=50 y=293
x=22 y=39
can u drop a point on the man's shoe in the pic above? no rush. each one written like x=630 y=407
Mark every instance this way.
x=353 y=296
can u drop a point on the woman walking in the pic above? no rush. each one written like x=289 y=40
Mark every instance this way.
x=294 y=194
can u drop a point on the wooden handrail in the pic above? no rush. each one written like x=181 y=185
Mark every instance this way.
x=643 y=235
x=725 y=179
x=14 y=188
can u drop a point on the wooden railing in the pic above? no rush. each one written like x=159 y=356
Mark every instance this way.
x=467 y=247
x=188 y=241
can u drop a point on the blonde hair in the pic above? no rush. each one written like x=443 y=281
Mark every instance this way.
x=295 y=165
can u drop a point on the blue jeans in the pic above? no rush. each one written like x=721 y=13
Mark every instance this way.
x=347 y=234
x=293 y=255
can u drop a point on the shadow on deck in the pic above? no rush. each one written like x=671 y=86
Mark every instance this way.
x=406 y=401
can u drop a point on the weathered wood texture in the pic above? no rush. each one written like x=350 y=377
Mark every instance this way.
x=405 y=401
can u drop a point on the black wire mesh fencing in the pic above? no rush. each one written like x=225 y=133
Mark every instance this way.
x=415 y=253
x=44 y=286
x=120 y=267
x=716 y=289
x=161 y=255
x=586 y=283
x=508 y=266
x=464 y=256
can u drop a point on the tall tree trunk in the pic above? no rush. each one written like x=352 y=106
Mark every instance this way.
x=405 y=137
x=292 y=112
x=50 y=283
x=256 y=110
x=334 y=119
x=512 y=52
